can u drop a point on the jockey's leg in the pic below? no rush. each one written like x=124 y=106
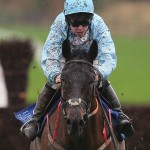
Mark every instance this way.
x=125 y=124
x=30 y=131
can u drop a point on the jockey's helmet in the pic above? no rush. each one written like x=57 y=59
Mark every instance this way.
x=78 y=6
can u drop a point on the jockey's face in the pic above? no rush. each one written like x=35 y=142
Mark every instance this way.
x=79 y=30
x=79 y=23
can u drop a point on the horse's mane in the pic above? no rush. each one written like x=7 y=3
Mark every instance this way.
x=80 y=53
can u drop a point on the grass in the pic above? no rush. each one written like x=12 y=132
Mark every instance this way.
x=130 y=79
x=37 y=33
x=36 y=81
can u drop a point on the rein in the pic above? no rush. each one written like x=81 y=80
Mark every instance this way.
x=88 y=114
x=108 y=124
x=104 y=112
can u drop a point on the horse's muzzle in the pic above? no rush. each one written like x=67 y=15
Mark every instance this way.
x=75 y=126
x=75 y=114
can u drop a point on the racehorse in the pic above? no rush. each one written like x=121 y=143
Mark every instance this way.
x=78 y=121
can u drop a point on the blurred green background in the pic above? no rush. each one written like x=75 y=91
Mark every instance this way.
x=128 y=21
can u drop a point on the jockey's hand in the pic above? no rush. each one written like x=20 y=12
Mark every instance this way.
x=58 y=79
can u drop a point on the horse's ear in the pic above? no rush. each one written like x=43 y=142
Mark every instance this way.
x=93 y=50
x=66 y=49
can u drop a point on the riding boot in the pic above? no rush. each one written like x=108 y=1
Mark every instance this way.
x=31 y=130
x=125 y=124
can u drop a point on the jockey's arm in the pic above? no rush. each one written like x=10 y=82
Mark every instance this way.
x=52 y=50
x=106 y=59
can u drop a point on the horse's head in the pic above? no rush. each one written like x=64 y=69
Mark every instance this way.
x=78 y=85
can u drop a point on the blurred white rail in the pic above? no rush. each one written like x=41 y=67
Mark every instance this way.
x=3 y=91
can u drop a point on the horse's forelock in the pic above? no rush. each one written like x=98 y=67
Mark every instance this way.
x=82 y=71
x=85 y=52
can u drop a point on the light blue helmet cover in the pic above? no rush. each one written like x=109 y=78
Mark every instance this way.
x=76 y=6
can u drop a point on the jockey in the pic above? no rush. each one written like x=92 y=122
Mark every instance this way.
x=80 y=25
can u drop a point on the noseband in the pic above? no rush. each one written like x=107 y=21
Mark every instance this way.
x=76 y=102
x=79 y=102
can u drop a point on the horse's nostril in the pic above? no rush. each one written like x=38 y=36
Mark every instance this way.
x=68 y=122
x=81 y=123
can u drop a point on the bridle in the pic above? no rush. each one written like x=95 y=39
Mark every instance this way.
x=79 y=102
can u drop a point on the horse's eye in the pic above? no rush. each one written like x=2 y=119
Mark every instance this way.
x=62 y=79
x=62 y=76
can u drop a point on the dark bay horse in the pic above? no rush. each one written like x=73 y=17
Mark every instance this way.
x=78 y=122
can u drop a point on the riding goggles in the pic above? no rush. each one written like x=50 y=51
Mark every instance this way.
x=76 y=23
